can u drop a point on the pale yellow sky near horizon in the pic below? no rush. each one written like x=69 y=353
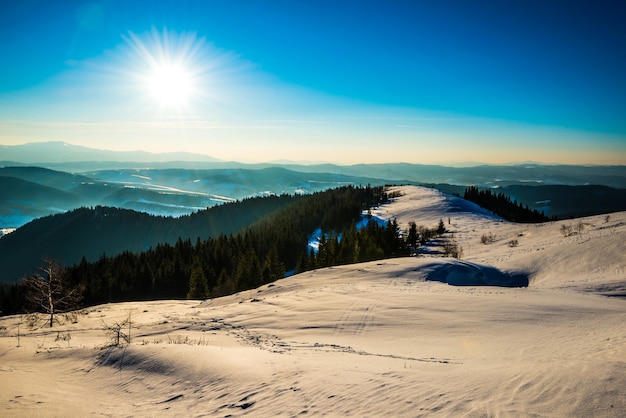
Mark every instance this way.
x=332 y=140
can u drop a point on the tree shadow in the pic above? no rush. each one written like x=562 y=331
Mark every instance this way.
x=462 y=273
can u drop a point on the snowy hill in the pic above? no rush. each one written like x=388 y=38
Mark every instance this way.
x=372 y=339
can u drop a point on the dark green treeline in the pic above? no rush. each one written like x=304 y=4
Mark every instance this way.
x=503 y=206
x=259 y=254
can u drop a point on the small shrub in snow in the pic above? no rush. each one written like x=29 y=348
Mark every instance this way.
x=118 y=331
x=513 y=243
x=33 y=320
x=566 y=230
x=72 y=317
x=452 y=249
x=63 y=337
x=487 y=238
x=580 y=227
x=179 y=339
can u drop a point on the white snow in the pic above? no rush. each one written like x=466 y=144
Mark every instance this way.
x=372 y=339
x=6 y=231
x=315 y=236
x=141 y=177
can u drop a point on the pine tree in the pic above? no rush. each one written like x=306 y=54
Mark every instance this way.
x=411 y=239
x=323 y=258
x=273 y=266
x=249 y=271
x=198 y=287
x=441 y=228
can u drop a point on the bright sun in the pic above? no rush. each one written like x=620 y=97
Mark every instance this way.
x=170 y=68
x=170 y=85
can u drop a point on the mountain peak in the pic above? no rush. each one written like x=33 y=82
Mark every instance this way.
x=54 y=152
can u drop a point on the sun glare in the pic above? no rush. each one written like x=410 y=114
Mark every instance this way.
x=170 y=85
x=169 y=68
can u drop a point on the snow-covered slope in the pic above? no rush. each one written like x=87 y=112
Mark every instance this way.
x=592 y=258
x=373 y=339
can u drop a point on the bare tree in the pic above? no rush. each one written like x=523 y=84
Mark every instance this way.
x=116 y=331
x=49 y=291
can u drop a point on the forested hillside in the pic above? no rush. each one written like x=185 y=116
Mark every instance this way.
x=224 y=249
x=261 y=253
x=562 y=202
x=93 y=232
x=502 y=205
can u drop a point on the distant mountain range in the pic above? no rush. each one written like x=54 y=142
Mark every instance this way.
x=77 y=159
x=44 y=153
x=39 y=179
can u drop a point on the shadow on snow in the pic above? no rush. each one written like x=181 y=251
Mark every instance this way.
x=461 y=273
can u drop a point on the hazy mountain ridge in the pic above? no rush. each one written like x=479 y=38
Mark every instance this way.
x=27 y=193
x=70 y=158
x=482 y=175
x=60 y=152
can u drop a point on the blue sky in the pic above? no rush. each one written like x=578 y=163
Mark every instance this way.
x=346 y=82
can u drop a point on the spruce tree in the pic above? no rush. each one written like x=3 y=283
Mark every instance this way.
x=273 y=268
x=411 y=239
x=198 y=287
x=441 y=229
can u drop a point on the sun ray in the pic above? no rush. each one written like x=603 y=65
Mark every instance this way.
x=178 y=76
x=168 y=67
